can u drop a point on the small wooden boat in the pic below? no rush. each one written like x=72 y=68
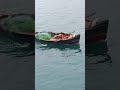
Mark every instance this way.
x=70 y=38
x=97 y=32
x=5 y=16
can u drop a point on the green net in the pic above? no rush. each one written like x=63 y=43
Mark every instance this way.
x=43 y=36
x=20 y=24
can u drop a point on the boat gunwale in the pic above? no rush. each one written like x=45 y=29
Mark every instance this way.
x=78 y=35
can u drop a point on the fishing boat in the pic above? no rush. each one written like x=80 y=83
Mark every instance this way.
x=21 y=18
x=57 y=38
x=98 y=31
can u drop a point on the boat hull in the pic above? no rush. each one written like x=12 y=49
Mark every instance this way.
x=74 y=40
x=97 y=33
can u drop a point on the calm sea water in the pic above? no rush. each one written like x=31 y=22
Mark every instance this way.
x=60 y=67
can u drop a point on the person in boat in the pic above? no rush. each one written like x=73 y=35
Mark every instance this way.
x=60 y=36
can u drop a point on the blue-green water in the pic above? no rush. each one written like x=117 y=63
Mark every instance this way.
x=60 y=67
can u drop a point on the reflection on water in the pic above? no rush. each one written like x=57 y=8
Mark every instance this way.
x=60 y=47
x=66 y=50
x=97 y=53
x=15 y=45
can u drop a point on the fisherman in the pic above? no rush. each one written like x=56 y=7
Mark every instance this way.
x=60 y=36
x=63 y=36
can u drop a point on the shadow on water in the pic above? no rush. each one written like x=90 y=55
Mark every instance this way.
x=58 y=46
x=99 y=51
x=13 y=45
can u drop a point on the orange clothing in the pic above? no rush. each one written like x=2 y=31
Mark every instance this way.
x=63 y=36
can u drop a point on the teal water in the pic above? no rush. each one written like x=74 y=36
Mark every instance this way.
x=60 y=67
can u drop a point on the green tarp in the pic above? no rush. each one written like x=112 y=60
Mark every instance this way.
x=43 y=36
